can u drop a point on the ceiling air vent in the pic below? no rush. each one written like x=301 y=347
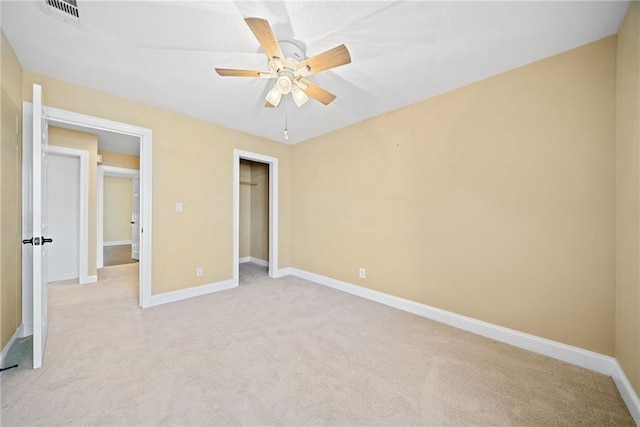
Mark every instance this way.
x=66 y=10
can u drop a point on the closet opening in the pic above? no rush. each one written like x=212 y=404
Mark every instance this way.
x=255 y=216
x=253 y=222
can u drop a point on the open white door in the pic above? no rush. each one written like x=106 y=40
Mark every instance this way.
x=135 y=217
x=39 y=233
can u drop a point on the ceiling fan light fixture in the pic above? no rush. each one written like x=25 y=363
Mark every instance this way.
x=304 y=71
x=274 y=96
x=299 y=97
x=275 y=64
x=284 y=84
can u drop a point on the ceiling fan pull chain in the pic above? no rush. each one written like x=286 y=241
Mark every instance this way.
x=286 y=126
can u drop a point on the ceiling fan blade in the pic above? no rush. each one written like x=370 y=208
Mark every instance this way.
x=268 y=104
x=229 y=72
x=262 y=30
x=316 y=92
x=332 y=58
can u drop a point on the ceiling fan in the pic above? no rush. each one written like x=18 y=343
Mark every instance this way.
x=290 y=67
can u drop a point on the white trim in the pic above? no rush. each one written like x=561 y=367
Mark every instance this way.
x=119 y=172
x=27 y=329
x=195 y=291
x=83 y=226
x=567 y=353
x=65 y=276
x=282 y=272
x=254 y=260
x=106 y=170
x=259 y=261
x=91 y=279
x=626 y=390
x=56 y=115
x=600 y=363
x=117 y=243
x=273 y=209
x=100 y=219
x=19 y=333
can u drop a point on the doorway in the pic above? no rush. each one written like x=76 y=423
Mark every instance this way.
x=260 y=185
x=63 y=118
x=118 y=216
x=254 y=221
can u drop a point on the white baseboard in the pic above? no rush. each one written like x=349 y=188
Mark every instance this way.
x=577 y=356
x=254 y=260
x=259 y=261
x=117 y=243
x=89 y=279
x=62 y=276
x=282 y=272
x=195 y=291
x=19 y=333
x=567 y=353
x=27 y=329
x=627 y=392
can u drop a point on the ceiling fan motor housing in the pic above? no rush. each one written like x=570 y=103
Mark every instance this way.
x=293 y=49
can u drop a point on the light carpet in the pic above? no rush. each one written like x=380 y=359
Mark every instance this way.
x=283 y=352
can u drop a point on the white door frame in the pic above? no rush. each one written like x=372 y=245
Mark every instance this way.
x=56 y=115
x=106 y=170
x=273 y=210
x=83 y=224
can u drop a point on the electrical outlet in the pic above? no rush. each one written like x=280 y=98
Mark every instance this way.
x=179 y=207
x=363 y=273
x=199 y=271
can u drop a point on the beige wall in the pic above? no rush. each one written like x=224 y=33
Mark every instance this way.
x=628 y=197
x=192 y=163
x=117 y=209
x=10 y=193
x=254 y=210
x=244 y=231
x=119 y=160
x=260 y=211
x=495 y=201
x=86 y=142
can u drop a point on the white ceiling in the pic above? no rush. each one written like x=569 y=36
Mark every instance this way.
x=163 y=53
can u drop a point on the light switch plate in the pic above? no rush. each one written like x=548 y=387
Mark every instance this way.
x=179 y=207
